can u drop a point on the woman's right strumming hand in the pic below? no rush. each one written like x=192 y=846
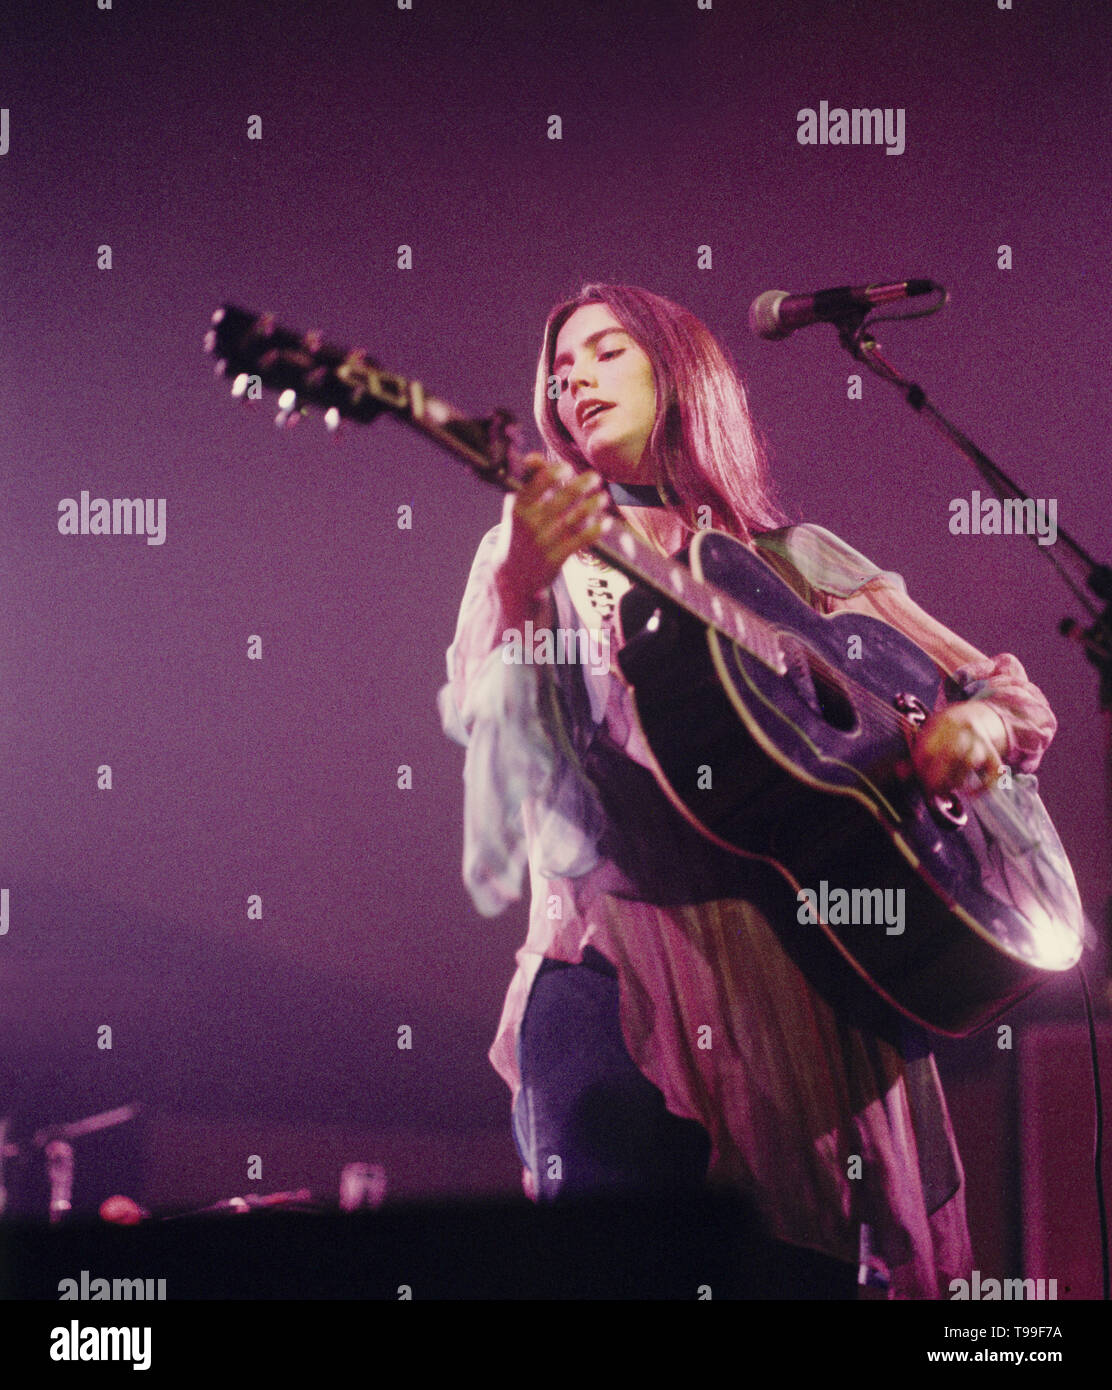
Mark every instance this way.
x=556 y=513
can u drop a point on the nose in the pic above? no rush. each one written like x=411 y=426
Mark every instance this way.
x=579 y=379
x=582 y=384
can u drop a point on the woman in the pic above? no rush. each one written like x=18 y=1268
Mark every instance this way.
x=656 y=1032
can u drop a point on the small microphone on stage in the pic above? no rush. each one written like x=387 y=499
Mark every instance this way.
x=776 y=313
x=59 y=1166
x=362 y=1185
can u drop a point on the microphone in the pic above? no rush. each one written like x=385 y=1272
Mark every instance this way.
x=362 y=1185
x=59 y=1166
x=776 y=313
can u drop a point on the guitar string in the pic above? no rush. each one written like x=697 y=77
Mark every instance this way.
x=886 y=714
x=889 y=717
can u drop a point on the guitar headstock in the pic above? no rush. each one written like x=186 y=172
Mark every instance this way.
x=334 y=380
x=346 y=384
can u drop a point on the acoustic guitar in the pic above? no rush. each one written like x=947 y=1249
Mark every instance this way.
x=765 y=735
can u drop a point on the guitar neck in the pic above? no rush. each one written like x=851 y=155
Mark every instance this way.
x=622 y=547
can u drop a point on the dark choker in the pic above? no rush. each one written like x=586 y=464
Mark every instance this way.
x=635 y=495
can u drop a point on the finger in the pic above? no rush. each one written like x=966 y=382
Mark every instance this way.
x=951 y=770
x=540 y=475
x=568 y=486
x=569 y=522
x=982 y=762
x=580 y=540
x=992 y=771
x=547 y=511
x=935 y=769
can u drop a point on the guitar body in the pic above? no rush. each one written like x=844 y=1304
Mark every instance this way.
x=803 y=770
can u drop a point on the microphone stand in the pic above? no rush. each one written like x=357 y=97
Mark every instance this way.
x=1096 y=639
x=54 y=1142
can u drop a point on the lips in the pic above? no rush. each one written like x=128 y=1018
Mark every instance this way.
x=591 y=410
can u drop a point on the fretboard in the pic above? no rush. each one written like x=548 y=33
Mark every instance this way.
x=620 y=546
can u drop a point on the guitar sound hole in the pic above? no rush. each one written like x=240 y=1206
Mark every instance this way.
x=834 y=704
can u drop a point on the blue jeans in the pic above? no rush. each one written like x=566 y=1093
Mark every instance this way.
x=586 y=1120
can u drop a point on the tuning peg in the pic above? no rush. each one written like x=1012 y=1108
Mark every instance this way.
x=332 y=420
x=239 y=387
x=288 y=413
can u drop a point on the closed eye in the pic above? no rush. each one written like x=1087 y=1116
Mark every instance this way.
x=602 y=357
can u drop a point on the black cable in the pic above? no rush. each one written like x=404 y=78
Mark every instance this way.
x=1098 y=1139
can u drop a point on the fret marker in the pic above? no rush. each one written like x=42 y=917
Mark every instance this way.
x=629 y=549
x=716 y=607
x=677 y=578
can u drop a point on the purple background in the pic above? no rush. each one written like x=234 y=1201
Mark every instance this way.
x=383 y=127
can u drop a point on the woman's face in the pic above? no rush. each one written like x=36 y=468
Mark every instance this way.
x=597 y=360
